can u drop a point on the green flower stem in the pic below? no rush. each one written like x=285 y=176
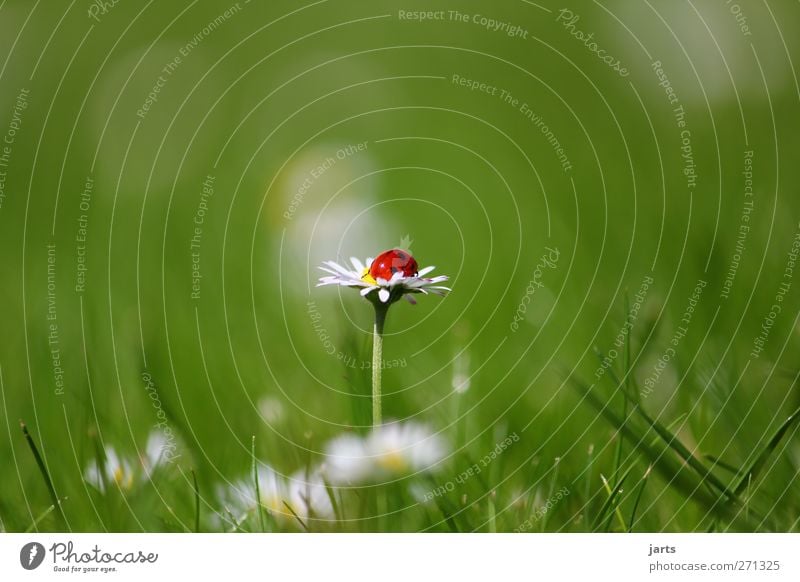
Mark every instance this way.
x=377 y=357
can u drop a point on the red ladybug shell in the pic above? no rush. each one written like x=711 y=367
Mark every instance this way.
x=390 y=262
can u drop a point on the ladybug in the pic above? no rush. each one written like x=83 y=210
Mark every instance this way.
x=394 y=261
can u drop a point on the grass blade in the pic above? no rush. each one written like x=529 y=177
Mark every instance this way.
x=607 y=510
x=759 y=462
x=445 y=507
x=667 y=466
x=722 y=464
x=33 y=526
x=259 y=506
x=492 y=511
x=553 y=480
x=338 y=511
x=588 y=486
x=43 y=470
x=196 y=503
x=626 y=370
x=673 y=442
x=233 y=521
x=297 y=517
x=642 y=483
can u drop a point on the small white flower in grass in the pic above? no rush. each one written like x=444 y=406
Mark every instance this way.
x=391 y=275
x=124 y=472
x=116 y=471
x=400 y=448
x=159 y=451
x=271 y=409
x=306 y=495
x=461 y=378
x=390 y=450
x=347 y=461
x=240 y=499
x=309 y=497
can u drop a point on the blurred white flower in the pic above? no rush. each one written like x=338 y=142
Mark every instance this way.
x=309 y=497
x=271 y=409
x=305 y=495
x=159 y=450
x=124 y=472
x=390 y=450
x=346 y=460
x=420 y=493
x=116 y=471
x=461 y=378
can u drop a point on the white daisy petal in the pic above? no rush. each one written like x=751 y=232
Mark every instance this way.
x=364 y=292
x=359 y=266
x=439 y=279
x=382 y=282
x=383 y=294
x=337 y=267
x=414 y=283
x=425 y=271
x=390 y=450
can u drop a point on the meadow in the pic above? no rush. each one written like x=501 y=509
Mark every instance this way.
x=610 y=187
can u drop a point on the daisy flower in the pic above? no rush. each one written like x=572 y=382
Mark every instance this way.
x=161 y=448
x=383 y=280
x=116 y=470
x=306 y=495
x=124 y=472
x=389 y=451
x=309 y=496
x=393 y=274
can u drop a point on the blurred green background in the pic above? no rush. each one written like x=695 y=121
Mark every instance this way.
x=261 y=101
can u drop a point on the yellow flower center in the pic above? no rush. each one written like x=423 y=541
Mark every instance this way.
x=366 y=276
x=394 y=461
x=121 y=479
x=274 y=504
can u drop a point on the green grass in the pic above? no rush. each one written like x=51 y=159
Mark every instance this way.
x=265 y=370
